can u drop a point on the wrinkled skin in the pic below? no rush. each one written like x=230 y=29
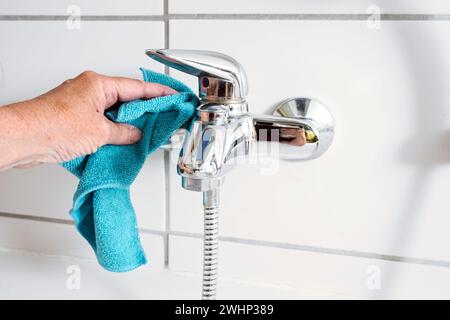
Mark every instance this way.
x=69 y=121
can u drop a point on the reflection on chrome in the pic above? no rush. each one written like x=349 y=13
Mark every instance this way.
x=223 y=130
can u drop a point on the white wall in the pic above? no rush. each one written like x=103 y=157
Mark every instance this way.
x=375 y=203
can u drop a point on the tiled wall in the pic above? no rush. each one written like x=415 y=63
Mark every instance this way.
x=373 y=207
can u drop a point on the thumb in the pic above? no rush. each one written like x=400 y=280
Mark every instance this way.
x=122 y=134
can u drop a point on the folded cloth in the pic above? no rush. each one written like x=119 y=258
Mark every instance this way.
x=102 y=209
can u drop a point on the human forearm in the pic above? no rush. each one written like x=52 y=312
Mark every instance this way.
x=20 y=142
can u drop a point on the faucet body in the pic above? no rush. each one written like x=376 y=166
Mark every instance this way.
x=223 y=131
x=213 y=145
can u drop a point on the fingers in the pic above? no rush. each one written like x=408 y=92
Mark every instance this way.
x=125 y=89
x=122 y=134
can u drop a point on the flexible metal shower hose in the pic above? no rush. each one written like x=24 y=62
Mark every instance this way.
x=210 y=244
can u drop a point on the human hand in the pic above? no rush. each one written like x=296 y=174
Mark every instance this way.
x=69 y=121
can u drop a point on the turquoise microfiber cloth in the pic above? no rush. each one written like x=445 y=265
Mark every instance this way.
x=102 y=209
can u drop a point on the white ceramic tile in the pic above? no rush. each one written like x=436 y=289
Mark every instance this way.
x=42 y=54
x=148 y=193
x=26 y=276
x=47 y=191
x=335 y=274
x=383 y=185
x=64 y=240
x=307 y=7
x=86 y=7
x=43 y=237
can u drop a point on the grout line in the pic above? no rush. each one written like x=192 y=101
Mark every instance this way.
x=232 y=16
x=65 y=221
x=45 y=255
x=312 y=16
x=35 y=218
x=166 y=31
x=83 y=18
x=339 y=252
x=166 y=240
x=262 y=243
x=167 y=206
x=166 y=153
x=154 y=232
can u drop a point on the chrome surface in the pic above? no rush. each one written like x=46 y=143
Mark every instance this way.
x=301 y=128
x=212 y=113
x=210 y=150
x=210 y=243
x=221 y=78
x=223 y=131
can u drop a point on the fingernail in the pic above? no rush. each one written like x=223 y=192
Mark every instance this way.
x=135 y=134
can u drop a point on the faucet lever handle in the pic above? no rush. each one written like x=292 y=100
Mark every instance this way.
x=221 y=78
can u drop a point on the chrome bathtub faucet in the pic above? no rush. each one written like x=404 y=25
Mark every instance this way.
x=224 y=131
